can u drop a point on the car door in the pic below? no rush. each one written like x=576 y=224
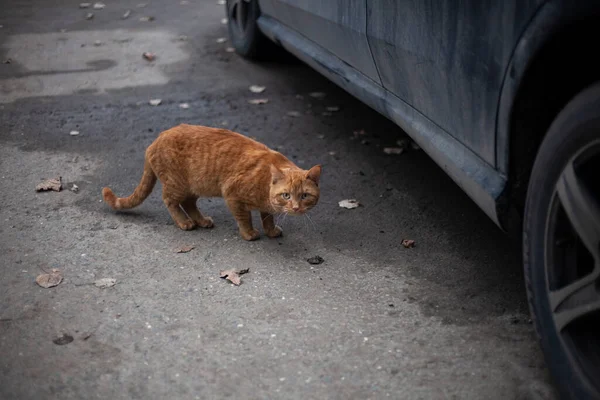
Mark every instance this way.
x=447 y=59
x=338 y=26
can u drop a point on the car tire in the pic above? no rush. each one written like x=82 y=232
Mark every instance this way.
x=561 y=246
x=244 y=33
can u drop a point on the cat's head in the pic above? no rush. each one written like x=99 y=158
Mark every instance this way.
x=294 y=191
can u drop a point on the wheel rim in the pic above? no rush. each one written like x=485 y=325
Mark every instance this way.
x=572 y=260
x=238 y=14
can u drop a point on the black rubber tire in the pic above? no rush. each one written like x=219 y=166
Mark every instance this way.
x=575 y=126
x=252 y=43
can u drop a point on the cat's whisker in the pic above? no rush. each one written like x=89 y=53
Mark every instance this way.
x=280 y=220
x=311 y=221
x=284 y=218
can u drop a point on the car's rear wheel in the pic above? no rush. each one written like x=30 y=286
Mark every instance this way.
x=561 y=245
x=246 y=38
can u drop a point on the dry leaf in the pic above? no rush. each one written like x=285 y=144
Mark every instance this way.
x=89 y=16
x=349 y=203
x=393 y=150
x=294 y=114
x=317 y=95
x=315 y=260
x=63 y=339
x=224 y=21
x=126 y=14
x=49 y=280
x=229 y=49
x=184 y=249
x=221 y=40
x=85 y=5
x=408 y=243
x=74 y=188
x=146 y=19
x=149 y=56
x=185 y=106
x=257 y=89
x=99 y=6
x=74 y=133
x=155 y=102
x=234 y=276
x=50 y=184
x=333 y=108
x=105 y=283
x=258 y=101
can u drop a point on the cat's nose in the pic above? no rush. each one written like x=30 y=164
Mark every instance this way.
x=295 y=208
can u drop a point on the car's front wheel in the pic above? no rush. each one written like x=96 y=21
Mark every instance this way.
x=561 y=245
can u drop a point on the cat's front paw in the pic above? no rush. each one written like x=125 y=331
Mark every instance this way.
x=250 y=235
x=275 y=232
x=206 y=222
x=187 y=225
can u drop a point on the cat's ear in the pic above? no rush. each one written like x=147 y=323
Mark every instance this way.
x=276 y=174
x=314 y=174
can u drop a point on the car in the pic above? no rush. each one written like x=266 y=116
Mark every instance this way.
x=505 y=96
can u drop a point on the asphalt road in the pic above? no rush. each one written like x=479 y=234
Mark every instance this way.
x=445 y=319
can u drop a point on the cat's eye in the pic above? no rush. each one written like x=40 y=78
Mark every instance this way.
x=286 y=196
x=305 y=196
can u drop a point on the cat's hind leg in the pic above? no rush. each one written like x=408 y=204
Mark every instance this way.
x=189 y=206
x=173 y=201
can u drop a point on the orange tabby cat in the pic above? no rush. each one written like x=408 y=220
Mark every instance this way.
x=197 y=161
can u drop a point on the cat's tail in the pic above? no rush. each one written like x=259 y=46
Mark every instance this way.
x=140 y=193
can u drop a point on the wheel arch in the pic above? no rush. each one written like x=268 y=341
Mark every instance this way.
x=551 y=64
